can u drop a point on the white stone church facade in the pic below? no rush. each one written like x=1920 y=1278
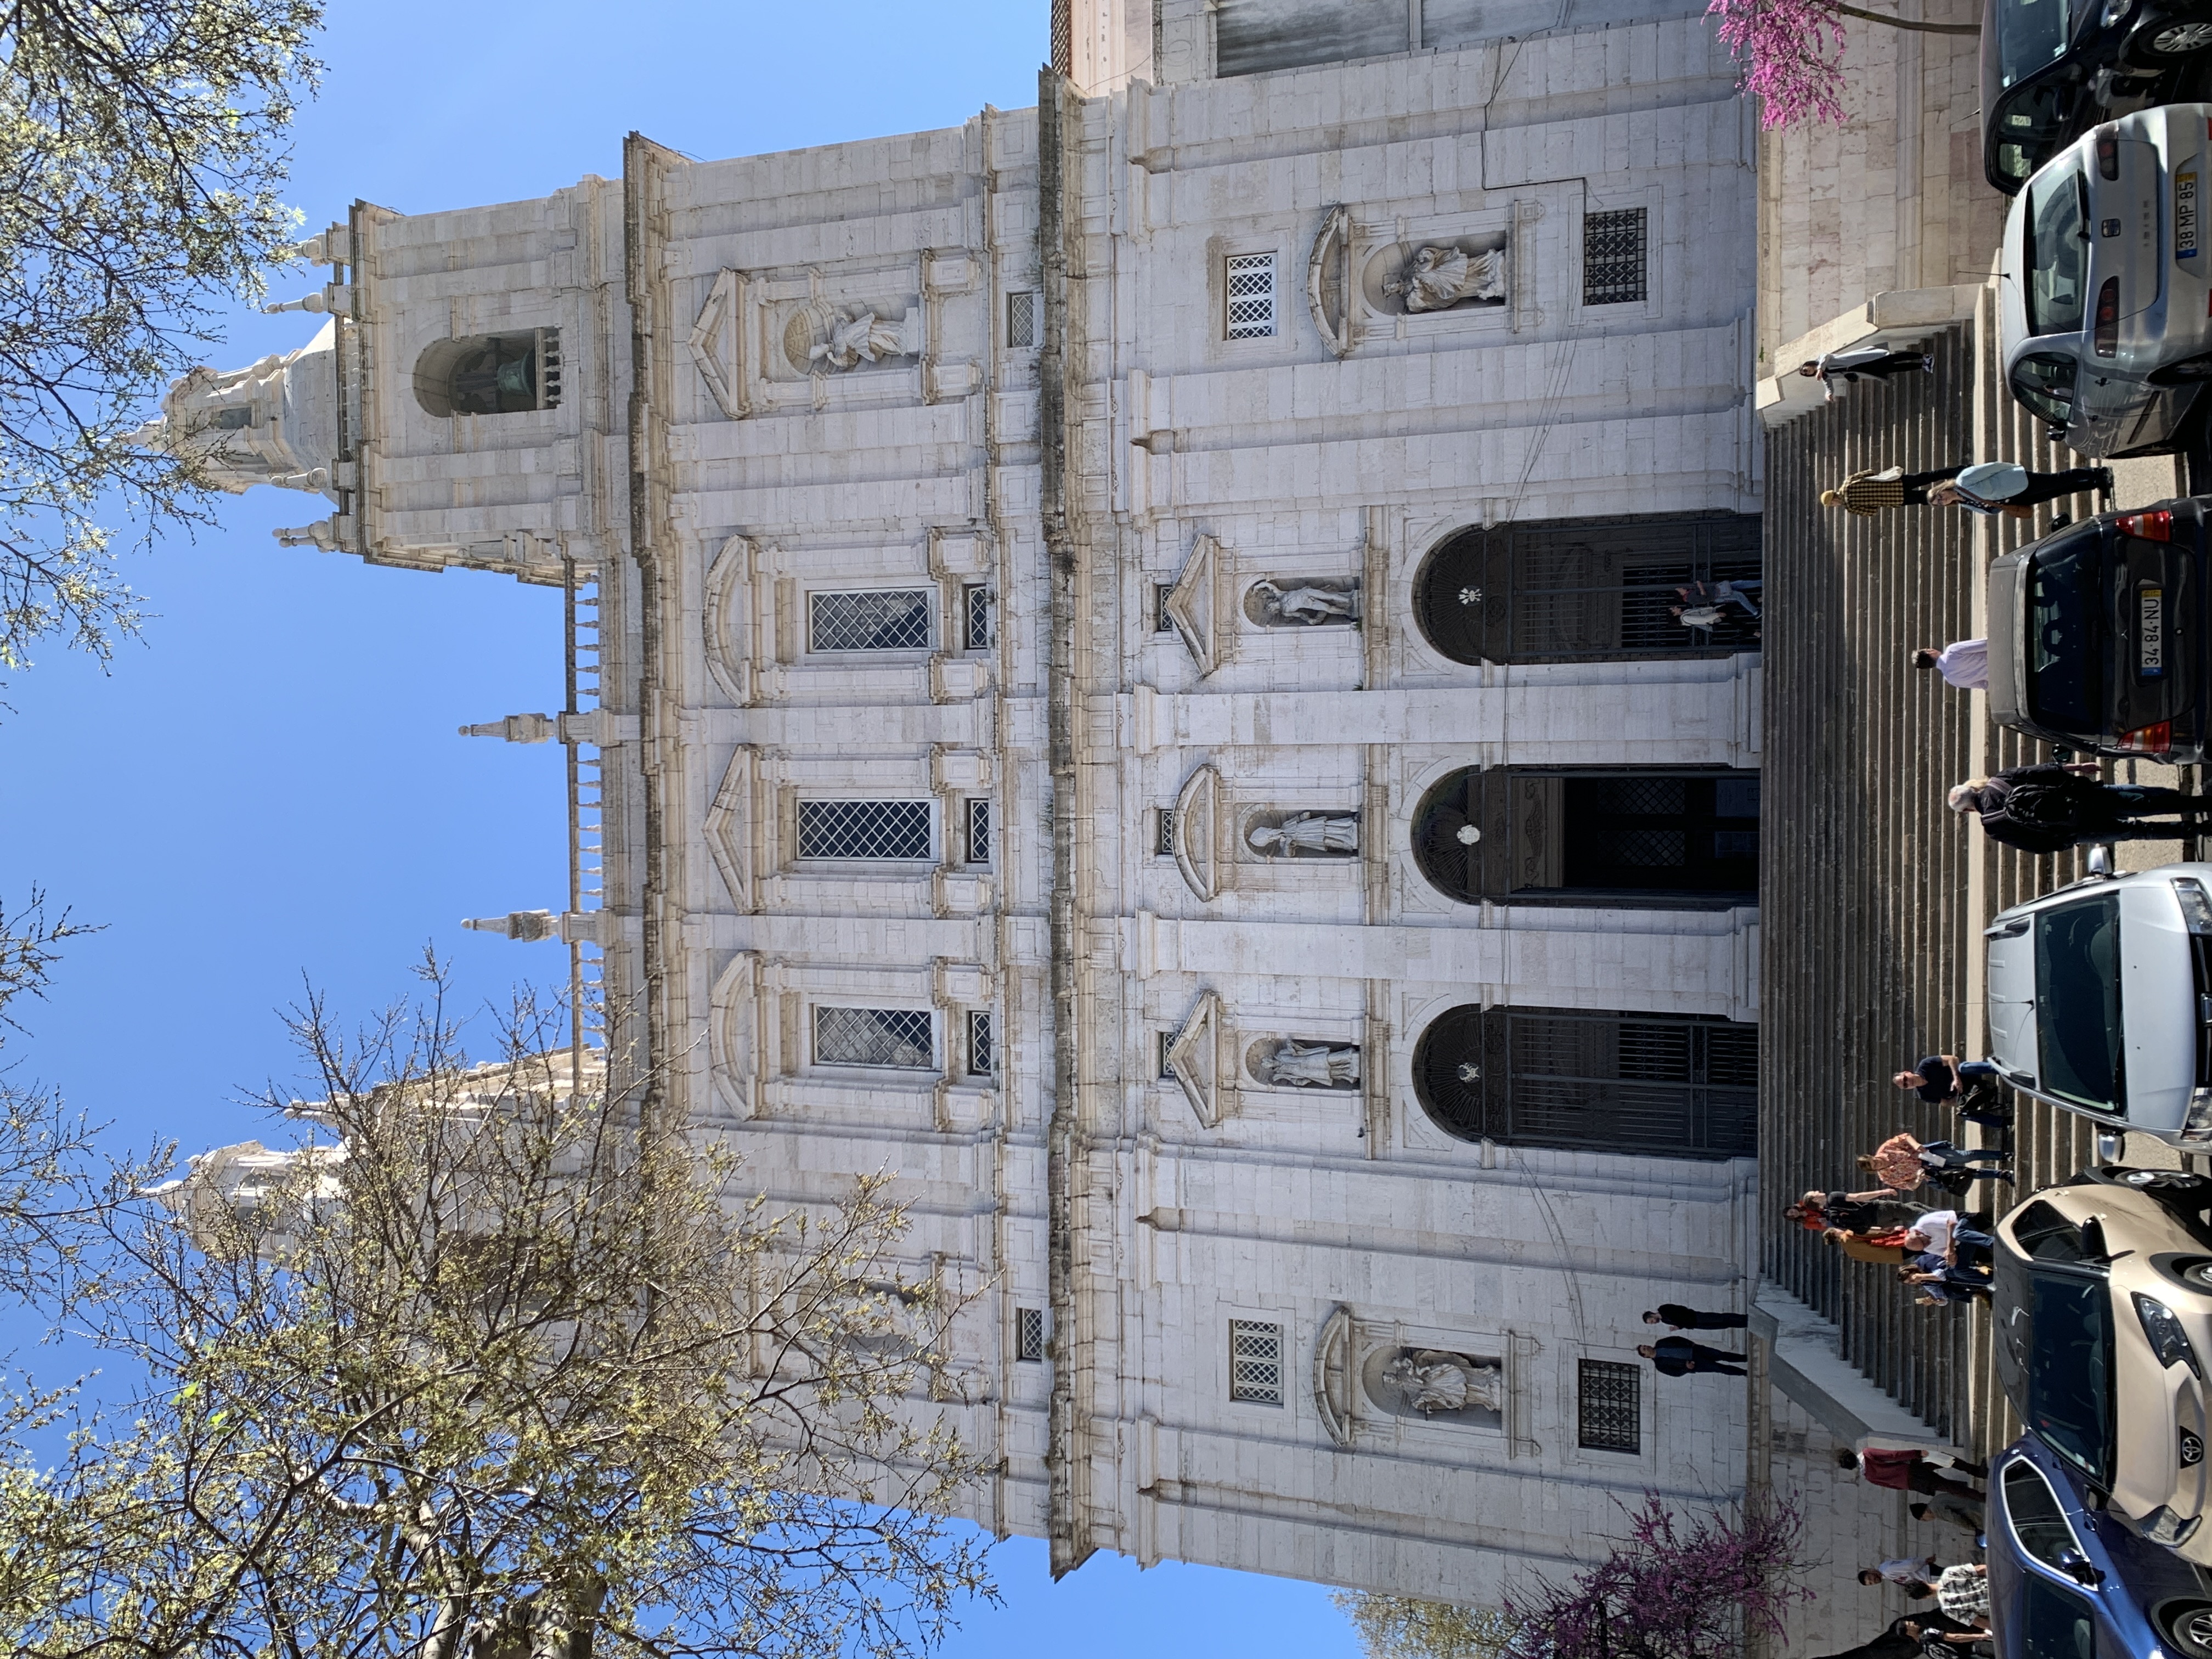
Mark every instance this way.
x=1140 y=689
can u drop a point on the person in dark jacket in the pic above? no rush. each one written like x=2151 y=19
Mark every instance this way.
x=1856 y=1212
x=1694 y=1319
x=1677 y=1356
x=2050 y=808
x=1894 y=1642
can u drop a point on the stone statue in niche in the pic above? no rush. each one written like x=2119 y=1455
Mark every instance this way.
x=1432 y=1382
x=863 y=338
x=822 y=339
x=1308 y=605
x=1440 y=276
x=1311 y=1065
x=1306 y=832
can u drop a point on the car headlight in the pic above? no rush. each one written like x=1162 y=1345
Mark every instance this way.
x=2167 y=1340
x=2163 y=1526
x=2196 y=906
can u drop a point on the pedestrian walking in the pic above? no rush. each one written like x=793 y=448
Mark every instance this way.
x=1983 y=487
x=1856 y=1213
x=2049 y=808
x=1965 y=1513
x=1862 y=363
x=1963 y=1593
x=1885 y=1246
x=1963 y=662
x=1694 y=1319
x=1902 y=1163
x=1677 y=1355
x=1909 y=1469
x=1905 y=1571
x=1969 y=1085
x=1940 y=1282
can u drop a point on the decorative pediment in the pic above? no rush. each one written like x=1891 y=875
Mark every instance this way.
x=1193 y=605
x=718 y=344
x=727 y=579
x=1194 y=1058
x=1328 y=282
x=1332 y=1376
x=1195 y=836
x=733 y=1034
x=731 y=821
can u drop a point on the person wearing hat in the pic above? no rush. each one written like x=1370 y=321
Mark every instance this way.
x=1982 y=487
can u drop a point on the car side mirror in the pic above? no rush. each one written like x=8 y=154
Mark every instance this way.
x=2100 y=859
x=2076 y=1566
x=2056 y=434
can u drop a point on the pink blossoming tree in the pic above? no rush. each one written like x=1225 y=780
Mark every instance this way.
x=1792 y=53
x=1686 y=1587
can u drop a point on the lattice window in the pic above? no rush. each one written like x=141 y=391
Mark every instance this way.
x=1608 y=1406
x=979 y=831
x=1613 y=257
x=1022 y=320
x=901 y=1037
x=982 y=1043
x=976 y=601
x=1250 y=295
x=1029 y=1335
x=864 y=829
x=871 y=619
x=1164 y=833
x=1162 y=623
x=1167 y=1042
x=1255 y=1362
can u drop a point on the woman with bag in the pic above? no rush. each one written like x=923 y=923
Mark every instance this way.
x=1983 y=487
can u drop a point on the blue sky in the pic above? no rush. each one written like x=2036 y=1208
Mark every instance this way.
x=270 y=785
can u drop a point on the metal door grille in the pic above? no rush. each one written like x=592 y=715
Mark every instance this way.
x=864 y=829
x=1650 y=1084
x=902 y=1037
x=1608 y=1406
x=1613 y=257
x=871 y=619
x=1569 y=590
x=1021 y=320
x=1029 y=1335
x=1255 y=1362
x=1250 y=295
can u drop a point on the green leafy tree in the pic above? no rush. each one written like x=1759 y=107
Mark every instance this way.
x=1399 y=1627
x=488 y=1367
x=142 y=146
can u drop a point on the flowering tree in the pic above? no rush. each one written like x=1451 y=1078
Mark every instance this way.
x=1674 y=1588
x=1792 y=53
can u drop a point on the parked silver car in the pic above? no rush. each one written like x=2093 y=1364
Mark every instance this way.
x=2105 y=300
x=2099 y=1000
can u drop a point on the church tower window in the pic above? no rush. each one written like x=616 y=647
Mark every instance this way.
x=982 y=1043
x=1614 y=257
x=1255 y=1362
x=1578 y=590
x=1029 y=1335
x=1022 y=320
x=870 y=619
x=904 y=1038
x=976 y=601
x=897 y=830
x=1249 y=295
x=1608 y=1406
x=1583 y=1080
x=508 y=374
x=979 y=831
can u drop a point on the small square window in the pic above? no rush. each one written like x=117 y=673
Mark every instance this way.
x=976 y=601
x=1162 y=623
x=1250 y=296
x=1255 y=1362
x=1022 y=320
x=1614 y=257
x=982 y=1046
x=1029 y=1335
x=979 y=831
x=1608 y=1406
x=1164 y=833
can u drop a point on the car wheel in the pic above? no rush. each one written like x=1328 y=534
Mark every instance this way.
x=2188 y=1626
x=2198 y=1274
x=2180 y=38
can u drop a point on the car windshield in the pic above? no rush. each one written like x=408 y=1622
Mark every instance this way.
x=2063 y=667
x=2069 y=1369
x=2031 y=125
x=2057 y=256
x=2077 y=1003
x=2033 y=1508
x=2055 y=1623
x=2045 y=383
x=2030 y=34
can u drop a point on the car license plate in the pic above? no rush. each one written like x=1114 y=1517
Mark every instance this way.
x=2185 y=216
x=2150 y=639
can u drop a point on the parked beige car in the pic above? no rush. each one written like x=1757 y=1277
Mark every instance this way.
x=2103 y=1317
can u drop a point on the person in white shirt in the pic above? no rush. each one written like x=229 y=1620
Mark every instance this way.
x=1863 y=363
x=1964 y=663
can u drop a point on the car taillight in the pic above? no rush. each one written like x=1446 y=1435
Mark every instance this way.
x=2148 y=739
x=2105 y=338
x=2146 y=526
x=2108 y=151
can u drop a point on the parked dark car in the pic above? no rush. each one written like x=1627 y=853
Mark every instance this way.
x=2069 y=1577
x=2097 y=634
x=2053 y=69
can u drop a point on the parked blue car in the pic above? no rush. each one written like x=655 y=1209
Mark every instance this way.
x=2069 y=1579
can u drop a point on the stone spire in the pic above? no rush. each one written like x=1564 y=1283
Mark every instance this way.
x=275 y=422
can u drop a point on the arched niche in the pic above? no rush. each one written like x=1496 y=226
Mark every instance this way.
x=1579 y=590
x=506 y=374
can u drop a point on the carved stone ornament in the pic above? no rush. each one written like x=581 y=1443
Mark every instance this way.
x=1194 y=835
x=1195 y=1059
x=1289 y=1063
x=717 y=345
x=822 y=338
x=734 y=1034
x=1303 y=834
x=1329 y=283
x=731 y=823
x=1194 y=607
x=1436 y=1385
x=1289 y=603
x=1332 y=1376
x=1438 y=276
